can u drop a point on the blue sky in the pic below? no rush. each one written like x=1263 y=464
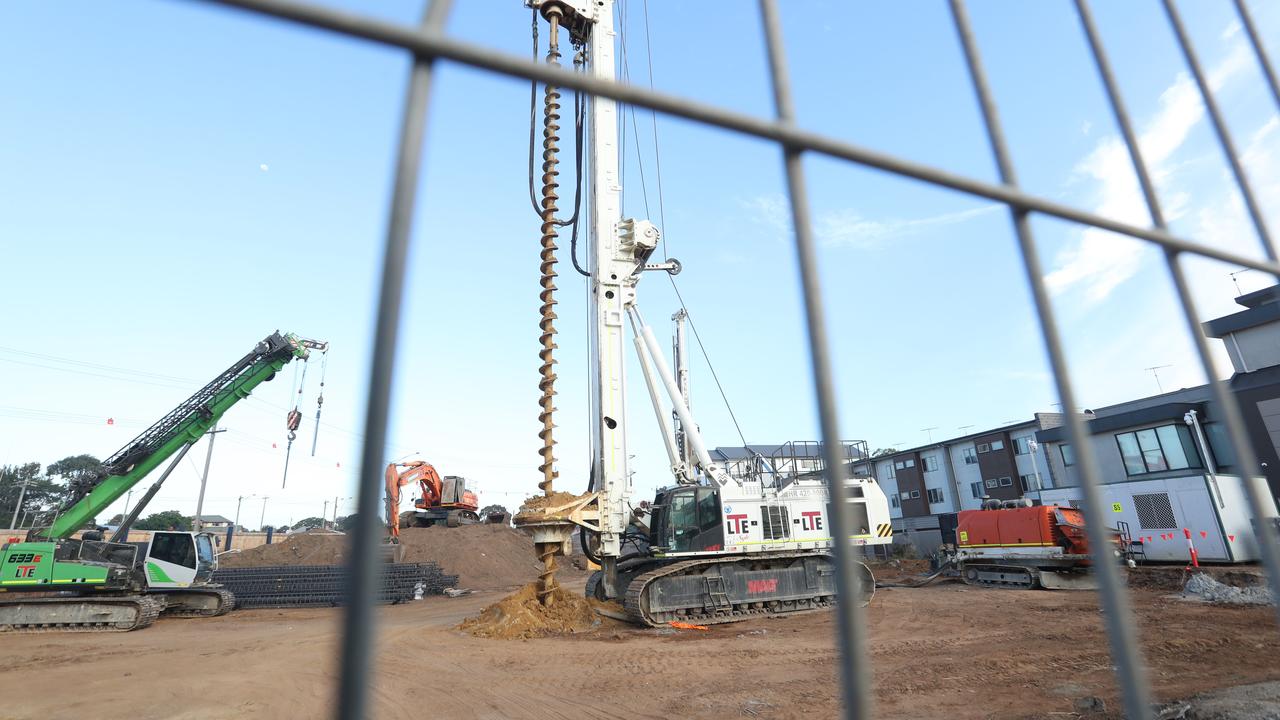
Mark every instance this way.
x=179 y=180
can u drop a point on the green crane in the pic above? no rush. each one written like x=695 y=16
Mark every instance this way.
x=52 y=581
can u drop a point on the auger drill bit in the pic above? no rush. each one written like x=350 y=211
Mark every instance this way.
x=550 y=146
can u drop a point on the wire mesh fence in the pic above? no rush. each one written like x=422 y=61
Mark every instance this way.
x=429 y=44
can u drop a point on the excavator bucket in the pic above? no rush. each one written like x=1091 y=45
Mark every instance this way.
x=497 y=518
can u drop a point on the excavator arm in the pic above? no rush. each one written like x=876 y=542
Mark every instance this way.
x=417 y=471
x=182 y=426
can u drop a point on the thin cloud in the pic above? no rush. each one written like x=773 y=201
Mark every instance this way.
x=847 y=227
x=850 y=229
x=1101 y=261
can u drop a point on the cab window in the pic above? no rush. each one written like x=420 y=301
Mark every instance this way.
x=175 y=548
x=204 y=548
x=708 y=509
x=684 y=512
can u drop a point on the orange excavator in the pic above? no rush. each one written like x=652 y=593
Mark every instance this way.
x=444 y=500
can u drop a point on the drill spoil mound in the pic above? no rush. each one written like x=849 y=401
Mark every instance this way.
x=484 y=557
x=537 y=506
x=520 y=616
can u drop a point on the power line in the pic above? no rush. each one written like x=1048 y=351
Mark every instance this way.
x=96 y=366
x=92 y=374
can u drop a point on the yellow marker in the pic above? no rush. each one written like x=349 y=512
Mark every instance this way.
x=1115 y=507
x=964 y=536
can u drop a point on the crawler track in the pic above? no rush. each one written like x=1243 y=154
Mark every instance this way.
x=226 y=602
x=79 y=614
x=1001 y=576
x=736 y=588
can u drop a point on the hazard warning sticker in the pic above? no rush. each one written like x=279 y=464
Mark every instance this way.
x=964 y=536
x=1116 y=507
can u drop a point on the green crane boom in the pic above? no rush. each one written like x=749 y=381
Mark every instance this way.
x=184 y=424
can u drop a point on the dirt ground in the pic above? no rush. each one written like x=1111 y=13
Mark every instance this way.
x=941 y=651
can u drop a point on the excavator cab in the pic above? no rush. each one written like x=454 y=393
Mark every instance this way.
x=688 y=519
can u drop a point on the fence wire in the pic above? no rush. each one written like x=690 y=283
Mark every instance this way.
x=429 y=43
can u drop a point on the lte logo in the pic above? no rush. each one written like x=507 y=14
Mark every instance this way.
x=737 y=524
x=26 y=571
x=811 y=520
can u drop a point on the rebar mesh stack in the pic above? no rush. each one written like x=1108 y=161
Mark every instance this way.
x=325 y=585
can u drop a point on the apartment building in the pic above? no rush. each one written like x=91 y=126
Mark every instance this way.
x=956 y=474
x=1165 y=462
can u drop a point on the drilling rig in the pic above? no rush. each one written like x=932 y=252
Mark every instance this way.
x=713 y=547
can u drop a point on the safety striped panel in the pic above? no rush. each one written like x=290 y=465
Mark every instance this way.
x=885 y=530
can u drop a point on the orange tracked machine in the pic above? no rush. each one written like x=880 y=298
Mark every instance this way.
x=1023 y=547
x=444 y=500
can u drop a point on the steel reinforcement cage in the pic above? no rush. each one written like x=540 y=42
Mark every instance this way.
x=428 y=44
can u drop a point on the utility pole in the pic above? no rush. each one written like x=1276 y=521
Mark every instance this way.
x=324 y=514
x=335 y=512
x=21 y=494
x=239 y=500
x=127 y=499
x=204 y=480
x=262 y=521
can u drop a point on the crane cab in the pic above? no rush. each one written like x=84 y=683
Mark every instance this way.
x=178 y=559
x=687 y=519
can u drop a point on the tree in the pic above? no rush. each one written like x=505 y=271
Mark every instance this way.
x=116 y=519
x=41 y=492
x=166 y=520
x=308 y=523
x=493 y=509
x=884 y=451
x=347 y=523
x=77 y=471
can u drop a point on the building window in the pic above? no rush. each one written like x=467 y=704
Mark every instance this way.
x=991 y=482
x=930 y=463
x=915 y=494
x=1168 y=447
x=1219 y=444
x=1021 y=445
x=976 y=489
x=889 y=473
x=893 y=500
x=984 y=447
x=970 y=457
x=997 y=445
x=1068 y=455
x=935 y=495
x=1006 y=482
x=1028 y=482
x=906 y=496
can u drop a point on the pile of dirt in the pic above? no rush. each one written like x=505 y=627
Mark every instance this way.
x=299 y=549
x=520 y=616
x=484 y=557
